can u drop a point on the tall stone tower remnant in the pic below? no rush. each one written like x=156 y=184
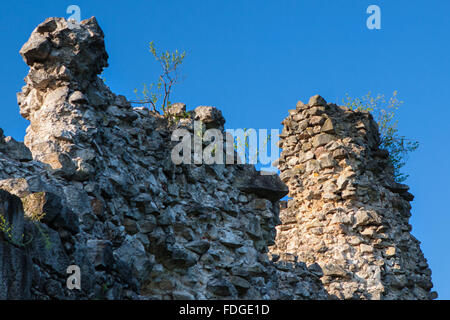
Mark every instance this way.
x=345 y=211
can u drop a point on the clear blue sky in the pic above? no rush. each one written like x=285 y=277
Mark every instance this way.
x=255 y=59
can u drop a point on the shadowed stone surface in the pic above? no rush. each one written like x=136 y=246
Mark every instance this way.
x=111 y=200
x=94 y=185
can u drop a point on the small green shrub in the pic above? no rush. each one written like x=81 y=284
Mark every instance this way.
x=157 y=94
x=384 y=112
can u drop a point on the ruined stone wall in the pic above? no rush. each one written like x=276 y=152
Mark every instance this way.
x=99 y=190
x=345 y=211
x=94 y=185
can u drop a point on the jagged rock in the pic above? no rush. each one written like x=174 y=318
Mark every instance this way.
x=397 y=187
x=266 y=186
x=16 y=150
x=316 y=269
x=37 y=49
x=365 y=218
x=322 y=139
x=198 y=246
x=50 y=47
x=77 y=97
x=328 y=126
x=177 y=109
x=300 y=105
x=100 y=253
x=333 y=271
x=178 y=257
x=220 y=287
x=240 y=284
x=132 y=253
x=317 y=101
x=210 y=116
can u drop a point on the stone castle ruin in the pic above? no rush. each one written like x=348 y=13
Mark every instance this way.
x=93 y=186
x=346 y=212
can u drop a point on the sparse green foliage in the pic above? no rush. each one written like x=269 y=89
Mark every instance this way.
x=44 y=235
x=157 y=94
x=34 y=214
x=177 y=118
x=102 y=77
x=384 y=114
x=8 y=231
x=5 y=227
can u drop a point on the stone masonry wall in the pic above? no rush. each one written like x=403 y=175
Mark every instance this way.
x=99 y=190
x=345 y=211
x=94 y=186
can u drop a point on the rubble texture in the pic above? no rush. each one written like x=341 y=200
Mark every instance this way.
x=346 y=212
x=93 y=185
x=98 y=189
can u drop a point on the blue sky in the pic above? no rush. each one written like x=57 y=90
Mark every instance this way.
x=255 y=59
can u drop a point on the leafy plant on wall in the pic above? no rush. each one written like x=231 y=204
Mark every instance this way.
x=384 y=113
x=157 y=94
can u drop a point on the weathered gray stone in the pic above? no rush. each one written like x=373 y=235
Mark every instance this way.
x=346 y=213
x=322 y=139
x=328 y=126
x=77 y=97
x=100 y=253
x=210 y=116
x=198 y=246
x=139 y=226
x=220 y=287
x=266 y=186
x=177 y=109
x=334 y=271
x=317 y=101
